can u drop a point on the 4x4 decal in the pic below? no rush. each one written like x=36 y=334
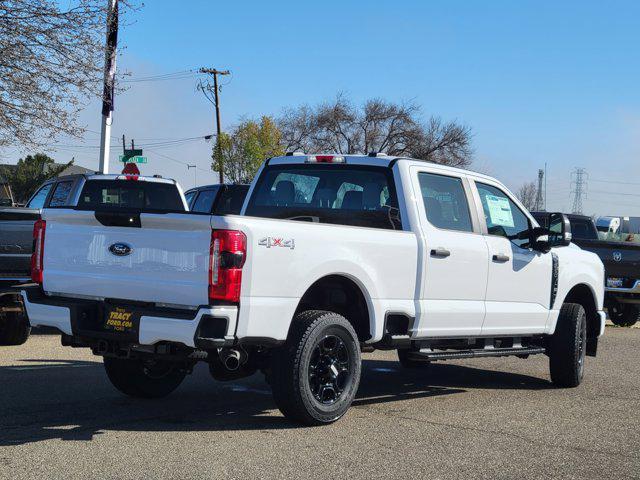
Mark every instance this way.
x=277 y=242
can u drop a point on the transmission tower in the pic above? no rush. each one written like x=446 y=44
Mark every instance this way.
x=579 y=178
x=539 y=206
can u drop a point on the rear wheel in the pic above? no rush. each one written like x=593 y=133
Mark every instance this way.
x=14 y=328
x=568 y=346
x=144 y=378
x=624 y=314
x=315 y=375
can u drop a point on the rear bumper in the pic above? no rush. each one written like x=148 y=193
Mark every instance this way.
x=206 y=327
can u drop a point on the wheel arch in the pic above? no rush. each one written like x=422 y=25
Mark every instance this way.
x=583 y=294
x=344 y=294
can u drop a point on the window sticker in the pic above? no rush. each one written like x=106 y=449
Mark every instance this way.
x=500 y=211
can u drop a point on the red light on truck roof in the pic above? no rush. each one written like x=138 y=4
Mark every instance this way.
x=325 y=159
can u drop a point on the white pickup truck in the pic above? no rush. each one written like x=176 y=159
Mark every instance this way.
x=332 y=255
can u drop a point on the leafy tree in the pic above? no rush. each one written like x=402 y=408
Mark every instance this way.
x=377 y=125
x=29 y=173
x=248 y=145
x=51 y=64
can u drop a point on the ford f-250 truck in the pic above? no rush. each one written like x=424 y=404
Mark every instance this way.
x=332 y=255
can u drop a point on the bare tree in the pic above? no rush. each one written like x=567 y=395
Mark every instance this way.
x=378 y=125
x=527 y=195
x=51 y=61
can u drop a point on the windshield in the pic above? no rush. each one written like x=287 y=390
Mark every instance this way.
x=339 y=194
x=130 y=195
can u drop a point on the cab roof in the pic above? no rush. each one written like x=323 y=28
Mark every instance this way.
x=376 y=160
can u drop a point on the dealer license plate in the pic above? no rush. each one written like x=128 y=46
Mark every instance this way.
x=119 y=319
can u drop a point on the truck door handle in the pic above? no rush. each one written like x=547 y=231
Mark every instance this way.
x=501 y=257
x=440 y=252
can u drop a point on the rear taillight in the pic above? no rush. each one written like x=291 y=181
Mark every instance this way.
x=227 y=254
x=38 y=251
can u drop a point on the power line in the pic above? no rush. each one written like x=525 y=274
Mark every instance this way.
x=186 y=164
x=615 y=193
x=615 y=181
x=180 y=75
x=159 y=144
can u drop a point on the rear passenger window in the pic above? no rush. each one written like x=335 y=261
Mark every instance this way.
x=445 y=202
x=61 y=194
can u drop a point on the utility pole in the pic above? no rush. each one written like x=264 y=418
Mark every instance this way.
x=109 y=84
x=539 y=205
x=579 y=179
x=195 y=174
x=216 y=103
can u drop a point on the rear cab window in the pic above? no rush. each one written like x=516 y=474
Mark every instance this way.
x=204 y=201
x=143 y=196
x=354 y=195
x=583 y=229
x=231 y=200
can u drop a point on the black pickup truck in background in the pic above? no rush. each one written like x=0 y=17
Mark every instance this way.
x=622 y=267
x=220 y=199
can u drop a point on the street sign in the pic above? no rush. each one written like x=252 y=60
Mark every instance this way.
x=133 y=158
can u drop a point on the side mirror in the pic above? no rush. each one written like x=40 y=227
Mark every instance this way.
x=559 y=230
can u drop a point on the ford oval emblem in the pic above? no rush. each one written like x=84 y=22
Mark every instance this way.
x=617 y=256
x=120 y=249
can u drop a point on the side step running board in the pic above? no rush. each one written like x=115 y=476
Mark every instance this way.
x=426 y=354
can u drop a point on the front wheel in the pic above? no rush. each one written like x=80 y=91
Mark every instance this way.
x=567 y=347
x=315 y=375
x=144 y=378
x=624 y=314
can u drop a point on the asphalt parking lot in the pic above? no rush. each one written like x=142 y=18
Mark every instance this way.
x=488 y=418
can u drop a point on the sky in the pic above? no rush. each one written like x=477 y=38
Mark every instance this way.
x=539 y=83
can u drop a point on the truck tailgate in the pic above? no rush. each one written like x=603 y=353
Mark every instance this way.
x=168 y=261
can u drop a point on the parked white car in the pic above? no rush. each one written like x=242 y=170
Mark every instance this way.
x=333 y=254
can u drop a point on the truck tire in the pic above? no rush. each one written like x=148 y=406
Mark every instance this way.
x=316 y=373
x=144 y=379
x=567 y=347
x=14 y=328
x=406 y=362
x=624 y=314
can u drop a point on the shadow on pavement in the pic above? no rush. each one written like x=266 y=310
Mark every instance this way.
x=73 y=400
